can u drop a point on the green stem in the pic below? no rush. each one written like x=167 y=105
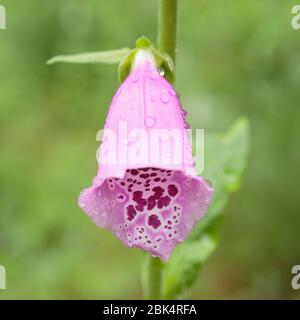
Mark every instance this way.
x=152 y=278
x=167 y=39
x=167 y=34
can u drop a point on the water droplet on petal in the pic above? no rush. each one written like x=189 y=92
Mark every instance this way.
x=172 y=92
x=118 y=92
x=164 y=98
x=164 y=136
x=132 y=135
x=161 y=71
x=153 y=76
x=150 y=121
x=135 y=78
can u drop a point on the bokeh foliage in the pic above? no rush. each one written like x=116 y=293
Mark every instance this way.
x=234 y=58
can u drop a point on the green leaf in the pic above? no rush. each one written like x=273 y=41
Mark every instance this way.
x=185 y=264
x=225 y=161
x=109 y=57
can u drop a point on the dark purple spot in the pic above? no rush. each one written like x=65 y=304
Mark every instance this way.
x=158 y=192
x=153 y=174
x=139 y=207
x=154 y=221
x=137 y=195
x=163 y=202
x=156 y=180
x=163 y=180
x=141 y=203
x=131 y=213
x=172 y=190
x=134 y=172
x=151 y=202
x=144 y=175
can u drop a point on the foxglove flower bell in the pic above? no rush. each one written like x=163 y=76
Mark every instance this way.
x=147 y=191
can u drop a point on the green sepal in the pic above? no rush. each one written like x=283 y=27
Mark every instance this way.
x=106 y=57
x=163 y=61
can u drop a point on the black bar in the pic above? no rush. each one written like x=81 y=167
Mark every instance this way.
x=92 y=309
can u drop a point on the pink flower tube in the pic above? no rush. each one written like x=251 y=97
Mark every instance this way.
x=147 y=191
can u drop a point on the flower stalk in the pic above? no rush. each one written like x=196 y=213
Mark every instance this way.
x=167 y=28
x=167 y=42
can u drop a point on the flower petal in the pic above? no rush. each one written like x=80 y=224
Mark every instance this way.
x=147 y=194
x=150 y=208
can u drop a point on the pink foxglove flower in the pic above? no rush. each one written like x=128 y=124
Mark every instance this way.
x=147 y=191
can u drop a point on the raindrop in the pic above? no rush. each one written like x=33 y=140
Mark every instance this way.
x=153 y=76
x=164 y=98
x=172 y=92
x=118 y=92
x=135 y=78
x=164 y=136
x=161 y=71
x=132 y=135
x=150 y=121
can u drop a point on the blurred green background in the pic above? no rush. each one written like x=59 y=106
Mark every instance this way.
x=234 y=58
